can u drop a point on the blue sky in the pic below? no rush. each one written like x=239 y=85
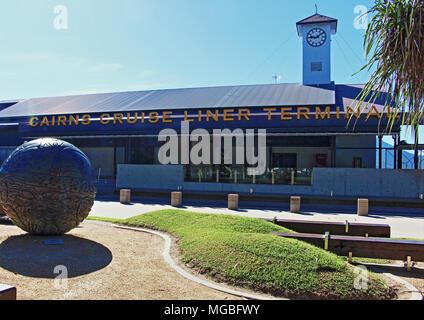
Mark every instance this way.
x=127 y=45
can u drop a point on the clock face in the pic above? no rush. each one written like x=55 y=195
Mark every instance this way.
x=316 y=37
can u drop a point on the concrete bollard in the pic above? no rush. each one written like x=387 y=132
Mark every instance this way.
x=176 y=199
x=295 y=204
x=125 y=196
x=363 y=205
x=233 y=201
x=7 y=292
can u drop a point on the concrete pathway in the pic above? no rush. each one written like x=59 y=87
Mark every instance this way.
x=405 y=222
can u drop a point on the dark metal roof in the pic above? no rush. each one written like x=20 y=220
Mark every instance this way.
x=7 y=103
x=346 y=96
x=290 y=94
x=316 y=19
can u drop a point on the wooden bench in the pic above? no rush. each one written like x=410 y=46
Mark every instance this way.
x=336 y=228
x=390 y=249
x=7 y=292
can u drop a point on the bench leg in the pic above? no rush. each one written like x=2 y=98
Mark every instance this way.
x=326 y=239
x=409 y=263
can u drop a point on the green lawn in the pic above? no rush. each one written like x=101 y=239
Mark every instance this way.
x=241 y=251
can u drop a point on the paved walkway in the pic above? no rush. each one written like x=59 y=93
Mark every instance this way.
x=404 y=222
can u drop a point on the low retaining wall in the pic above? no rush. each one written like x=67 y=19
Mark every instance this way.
x=327 y=182
x=372 y=183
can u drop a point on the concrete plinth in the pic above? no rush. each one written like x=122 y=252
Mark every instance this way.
x=125 y=196
x=363 y=205
x=176 y=199
x=233 y=201
x=295 y=204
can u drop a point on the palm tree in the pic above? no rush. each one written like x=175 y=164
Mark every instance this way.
x=394 y=46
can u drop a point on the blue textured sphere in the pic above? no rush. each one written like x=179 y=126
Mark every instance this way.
x=47 y=186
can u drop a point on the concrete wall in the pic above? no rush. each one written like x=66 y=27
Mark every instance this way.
x=378 y=183
x=343 y=182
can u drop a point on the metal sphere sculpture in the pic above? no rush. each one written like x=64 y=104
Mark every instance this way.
x=47 y=187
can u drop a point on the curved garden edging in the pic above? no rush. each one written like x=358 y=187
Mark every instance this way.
x=167 y=256
x=415 y=293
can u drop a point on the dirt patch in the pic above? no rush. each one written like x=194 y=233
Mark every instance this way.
x=102 y=263
x=415 y=277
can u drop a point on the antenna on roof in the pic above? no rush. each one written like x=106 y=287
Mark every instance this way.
x=316 y=8
x=276 y=78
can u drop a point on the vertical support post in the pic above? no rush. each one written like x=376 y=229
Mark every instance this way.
x=292 y=177
x=235 y=176
x=350 y=257
x=217 y=175
x=385 y=161
x=416 y=149
x=254 y=179
x=400 y=154
x=347 y=226
x=408 y=263
x=326 y=240
x=273 y=177
x=380 y=152
x=115 y=165
x=333 y=151
x=395 y=152
x=127 y=151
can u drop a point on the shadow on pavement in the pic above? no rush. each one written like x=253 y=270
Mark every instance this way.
x=29 y=256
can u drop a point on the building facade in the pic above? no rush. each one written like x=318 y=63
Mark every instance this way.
x=311 y=128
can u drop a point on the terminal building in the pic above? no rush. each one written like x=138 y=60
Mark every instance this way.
x=319 y=142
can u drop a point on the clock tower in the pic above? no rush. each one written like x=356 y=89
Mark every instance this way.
x=316 y=34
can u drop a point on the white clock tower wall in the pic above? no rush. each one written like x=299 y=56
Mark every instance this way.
x=316 y=59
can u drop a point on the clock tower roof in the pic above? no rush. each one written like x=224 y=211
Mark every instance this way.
x=317 y=19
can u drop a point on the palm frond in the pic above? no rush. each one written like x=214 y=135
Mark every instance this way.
x=394 y=46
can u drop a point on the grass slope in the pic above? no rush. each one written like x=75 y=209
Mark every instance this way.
x=241 y=251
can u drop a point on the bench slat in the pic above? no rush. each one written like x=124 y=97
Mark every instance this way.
x=338 y=228
x=364 y=247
